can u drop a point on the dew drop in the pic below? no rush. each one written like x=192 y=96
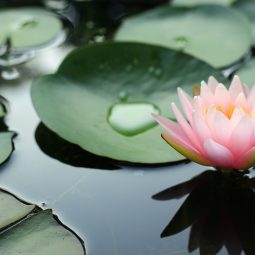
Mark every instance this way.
x=10 y=74
x=181 y=42
x=128 y=68
x=99 y=38
x=29 y=24
x=123 y=96
x=90 y=24
x=135 y=61
x=130 y=119
x=151 y=69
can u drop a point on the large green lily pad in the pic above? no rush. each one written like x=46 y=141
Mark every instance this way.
x=75 y=102
x=248 y=8
x=247 y=73
x=198 y=2
x=216 y=34
x=32 y=231
x=28 y=27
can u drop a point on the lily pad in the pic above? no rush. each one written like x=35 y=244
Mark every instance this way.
x=216 y=34
x=33 y=231
x=28 y=27
x=74 y=102
x=247 y=73
x=6 y=136
x=198 y=2
x=6 y=145
x=247 y=7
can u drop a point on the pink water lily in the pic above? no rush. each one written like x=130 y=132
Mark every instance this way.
x=217 y=127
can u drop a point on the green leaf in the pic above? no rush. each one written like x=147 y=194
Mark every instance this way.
x=6 y=145
x=247 y=7
x=28 y=27
x=198 y=2
x=12 y=209
x=216 y=34
x=247 y=73
x=32 y=231
x=75 y=102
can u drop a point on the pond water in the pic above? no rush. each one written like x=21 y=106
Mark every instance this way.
x=111 y=208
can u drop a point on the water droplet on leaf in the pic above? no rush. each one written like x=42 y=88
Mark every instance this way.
x=131 y=119
x=181 y=42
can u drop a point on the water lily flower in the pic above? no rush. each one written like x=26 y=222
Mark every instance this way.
x=217 y=127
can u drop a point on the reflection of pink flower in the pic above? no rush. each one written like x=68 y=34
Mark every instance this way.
x=219 y=128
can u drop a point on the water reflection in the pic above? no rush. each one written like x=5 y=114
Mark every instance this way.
x=220 y=210
x=71 y=154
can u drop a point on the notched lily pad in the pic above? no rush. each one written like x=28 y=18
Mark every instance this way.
x=33 y=231
x=198 y=31
x=198 y=2
x=28 y=27
x=75 y=102
x=247 y=73
x=247 y=7
x=6 y=136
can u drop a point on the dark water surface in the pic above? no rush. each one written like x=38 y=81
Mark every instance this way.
x=111 y=209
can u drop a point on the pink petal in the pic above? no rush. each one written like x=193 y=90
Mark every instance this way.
x=186 y=127
x=186 y=103
x=200 y=127
x=212 y=83
x=220 y=127
x=190 y=154
x=236 y=87
x=218 y=154
x=199 y=105
x=206 y=94
x=174 y=130
x=247 y=160
x=222 y=98
x=237 y=115
x=242 y=137
x=241 y=101
x=210 y=115
x=251 y=98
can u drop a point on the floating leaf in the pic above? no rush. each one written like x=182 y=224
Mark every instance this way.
x=32 y=231
x=6 y=136
x=28 y=27
x=198 y=2
x=6 y=145
x=75 y=102
x=215 y=34
x=247 y=73
x=247 y=7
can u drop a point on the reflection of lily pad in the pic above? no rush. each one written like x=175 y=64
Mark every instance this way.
x=215 y=34
x=247 y=73
x=68 y=153
x=28 y=27
x=197 y=2
x=75 y=101
x=32 y=231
